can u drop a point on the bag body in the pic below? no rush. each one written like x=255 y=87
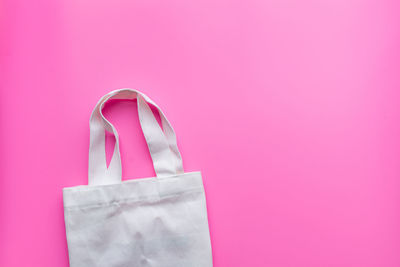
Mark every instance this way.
x=158 y=221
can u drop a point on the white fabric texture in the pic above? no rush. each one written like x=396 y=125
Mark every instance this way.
x=158 y=221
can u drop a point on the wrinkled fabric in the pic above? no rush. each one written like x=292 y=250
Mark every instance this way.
x=159 y=221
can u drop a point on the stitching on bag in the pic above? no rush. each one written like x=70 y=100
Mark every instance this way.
x=132 y=181
x=134 y=199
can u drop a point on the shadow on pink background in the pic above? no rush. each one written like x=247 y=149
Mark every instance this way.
x=291 y=109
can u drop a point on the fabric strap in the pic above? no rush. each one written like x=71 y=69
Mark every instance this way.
x=162 y=144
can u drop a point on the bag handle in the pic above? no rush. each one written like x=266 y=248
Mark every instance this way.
x=161 y=142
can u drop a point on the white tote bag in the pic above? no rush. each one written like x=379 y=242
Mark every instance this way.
x=159 y=221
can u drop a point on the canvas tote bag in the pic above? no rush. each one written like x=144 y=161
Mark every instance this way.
x=159 y=221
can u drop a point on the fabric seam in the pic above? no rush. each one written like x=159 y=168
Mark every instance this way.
x=134 y=199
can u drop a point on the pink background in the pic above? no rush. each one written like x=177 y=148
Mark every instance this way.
x=291 y=109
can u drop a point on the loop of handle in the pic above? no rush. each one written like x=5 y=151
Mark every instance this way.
x=161 y=142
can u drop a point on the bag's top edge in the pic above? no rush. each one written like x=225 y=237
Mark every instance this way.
x=134 y=180
x=132 y=190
